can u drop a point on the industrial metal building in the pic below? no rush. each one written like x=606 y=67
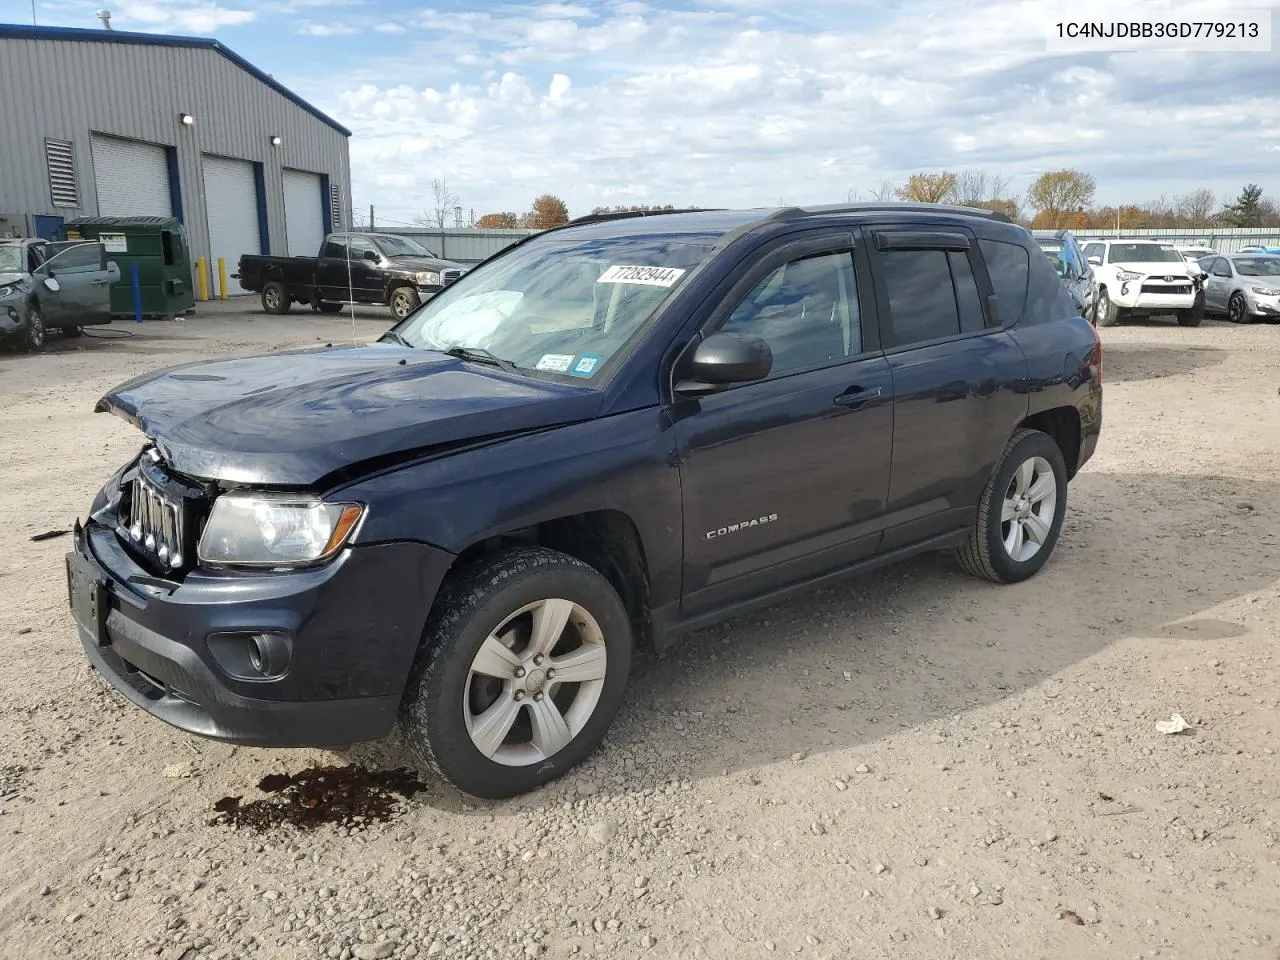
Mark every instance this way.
x=108 y=123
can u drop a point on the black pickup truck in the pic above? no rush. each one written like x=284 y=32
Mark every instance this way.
x=351 y=267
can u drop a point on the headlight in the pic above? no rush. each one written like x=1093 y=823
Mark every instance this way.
x=428 y=278
x=1127 y=275
x=1266 y=291
x=275 y=531
x=10 y=289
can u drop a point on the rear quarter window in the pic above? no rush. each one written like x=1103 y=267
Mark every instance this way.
x=1008 y=265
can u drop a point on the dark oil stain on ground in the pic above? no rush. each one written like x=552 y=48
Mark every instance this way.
x=345 y=796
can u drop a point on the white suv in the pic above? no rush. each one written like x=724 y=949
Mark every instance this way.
x=1143 y=278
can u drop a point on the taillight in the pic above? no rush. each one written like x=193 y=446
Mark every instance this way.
x=1097 y=355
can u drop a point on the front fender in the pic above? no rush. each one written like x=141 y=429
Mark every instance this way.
x=624 y=463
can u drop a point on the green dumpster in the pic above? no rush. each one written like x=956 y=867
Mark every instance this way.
x=158 y=245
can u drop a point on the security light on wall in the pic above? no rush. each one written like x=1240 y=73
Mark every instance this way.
x=276 y=141
x=187 y=119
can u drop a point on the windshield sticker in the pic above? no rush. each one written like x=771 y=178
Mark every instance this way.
x=586 y=365
x=648 y=276
x=554 y=362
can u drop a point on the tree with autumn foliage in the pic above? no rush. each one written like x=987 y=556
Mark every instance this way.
x=548 y=211
x=1057 y=194
x=928 y=187
x=498 y=221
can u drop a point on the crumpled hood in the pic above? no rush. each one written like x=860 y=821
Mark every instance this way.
x=8 y=278
x=291 y=419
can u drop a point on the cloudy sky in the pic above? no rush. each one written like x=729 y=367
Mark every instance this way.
x=733 y=102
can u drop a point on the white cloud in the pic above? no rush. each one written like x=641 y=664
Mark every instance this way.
x=328 y=29
x=559 y=88
x=199 y=18
x=711 y=106
x=390 y=28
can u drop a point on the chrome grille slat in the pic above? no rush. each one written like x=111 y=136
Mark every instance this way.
x=448 y=276
x=154 y=524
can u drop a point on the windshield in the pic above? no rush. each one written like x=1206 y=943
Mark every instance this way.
x=1142 y=253
x=1257 y=266
x=11 y=258
x=558 y=307
x=401 y=247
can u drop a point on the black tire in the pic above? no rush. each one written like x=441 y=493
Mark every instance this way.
x=33 y=337
x=403 y=300
x=472 y=604
x=275 y=298
x=1238 y=308
x=328 y=306
x=1107 y=313
x=985 y=554
x=73 y=332
x=1190 y=318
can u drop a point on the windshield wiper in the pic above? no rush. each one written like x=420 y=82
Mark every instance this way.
x=480 y=355
x=396 y=339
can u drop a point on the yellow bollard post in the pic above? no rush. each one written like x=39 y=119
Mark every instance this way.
x=222 y=278
x=202 y=279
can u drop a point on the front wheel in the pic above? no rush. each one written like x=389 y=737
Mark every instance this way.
x=523 y=665
x=275 y=298
x=1021 y=510
x=33 y=339
x=403 y=301
x=1238 y=308
x=1105 y=310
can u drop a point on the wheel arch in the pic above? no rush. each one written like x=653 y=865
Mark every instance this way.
x=1062 y=424
x=606 y=540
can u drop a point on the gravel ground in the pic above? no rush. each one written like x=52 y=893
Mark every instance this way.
x=914 y=765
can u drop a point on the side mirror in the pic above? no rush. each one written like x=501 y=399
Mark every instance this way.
x=724 y=359
x=1095 y=261
x=51 y=285
x=371 y=255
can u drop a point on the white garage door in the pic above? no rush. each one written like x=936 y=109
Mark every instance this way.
x=132 y=178
x=231 y=196
x=303 y=213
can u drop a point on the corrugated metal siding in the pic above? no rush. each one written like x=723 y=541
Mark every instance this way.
x=469 y=245
x=67 y=89
x=1223 y=240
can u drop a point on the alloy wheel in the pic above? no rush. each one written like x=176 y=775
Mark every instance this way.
x=1236 y=309
x=35 y=329
x=401 y=305
x=1027 y=512
x=535 y=682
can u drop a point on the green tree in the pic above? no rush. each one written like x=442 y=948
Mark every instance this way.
x=1247 y=210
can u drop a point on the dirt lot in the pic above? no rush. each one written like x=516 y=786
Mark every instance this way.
x=915 y=765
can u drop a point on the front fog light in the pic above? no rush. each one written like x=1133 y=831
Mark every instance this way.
x=275 y=531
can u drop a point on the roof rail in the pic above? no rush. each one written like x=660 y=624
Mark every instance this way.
x=626 y=214
x=872 y=207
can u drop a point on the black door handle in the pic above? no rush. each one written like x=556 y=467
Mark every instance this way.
x=857 y=396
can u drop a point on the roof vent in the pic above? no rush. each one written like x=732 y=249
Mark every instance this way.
x=105 y=17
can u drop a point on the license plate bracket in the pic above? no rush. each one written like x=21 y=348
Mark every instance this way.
x=88 y=597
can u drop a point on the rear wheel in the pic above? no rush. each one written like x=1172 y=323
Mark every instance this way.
x=523 y=665
x=403 y=301
x=1021 y=510
x=1105 y=310
x=275 y=297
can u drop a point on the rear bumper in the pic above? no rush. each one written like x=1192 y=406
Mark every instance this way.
x=352 y=628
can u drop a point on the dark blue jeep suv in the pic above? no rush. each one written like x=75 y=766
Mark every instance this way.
x=609 y=434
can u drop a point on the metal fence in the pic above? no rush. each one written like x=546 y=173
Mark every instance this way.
x=1221 y=239
x=468 y=245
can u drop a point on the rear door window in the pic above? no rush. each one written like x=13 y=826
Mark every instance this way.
x=1008 y=265
x=922 y=295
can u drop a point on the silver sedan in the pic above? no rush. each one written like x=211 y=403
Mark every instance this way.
x=1244 y=286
